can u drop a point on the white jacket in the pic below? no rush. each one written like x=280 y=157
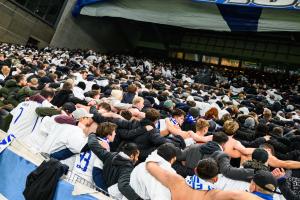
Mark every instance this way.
x=145 y=185
x=225 y=183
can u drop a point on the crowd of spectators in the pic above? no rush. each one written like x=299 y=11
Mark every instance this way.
x=152 y=129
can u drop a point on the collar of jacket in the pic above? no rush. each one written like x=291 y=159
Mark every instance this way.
x=145 y=122
x=253 y=164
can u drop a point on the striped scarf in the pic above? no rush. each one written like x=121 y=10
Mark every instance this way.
x=198 y=184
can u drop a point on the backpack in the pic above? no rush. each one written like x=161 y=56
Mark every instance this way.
x=41 y=183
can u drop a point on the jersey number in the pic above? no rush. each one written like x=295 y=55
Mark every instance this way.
x=84 y=160
x=21 y=111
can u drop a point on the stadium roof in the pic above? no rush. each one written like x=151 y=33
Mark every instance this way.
x=199 y=14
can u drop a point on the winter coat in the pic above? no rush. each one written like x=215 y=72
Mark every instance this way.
x=240 y=174
x=196 y=152
x=116 y=168
x=128 y=97
x=64 y=96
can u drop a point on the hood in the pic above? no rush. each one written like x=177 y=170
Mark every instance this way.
x=198 y=184
x=154 y=157
x=210 y=147
x=145 y=122
x=11 y=83
x=122 y=159
x=63 y=119
x=37 y=98
x=253 y=164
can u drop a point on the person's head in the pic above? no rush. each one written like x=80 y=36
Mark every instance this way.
x=82 y=116
x=117 y=94
x=168 y=152
x=138 y=102
x=132 y=88
x=5 y=70
x=263 y=182
x=207 y=169
x=230 y=127
x=48 y=93
x=152 y=114
x=194 y=112
x=53 y=77
x=126 y=114
x=277 y=131
x=178 y=115
x=95 y=94
x=21 y=80
x=107 y=130
x=220 y=138
x=212 y=113
x=104 y=107
x=34 y=83
x=81 y=85
x=84 y=74
x=68 y=108
x=131 y=150
x=268 y=147
x=96 y=87
x=267 y=114
x=41 y=73
x=249 y=123
x=202 y=126
x=169 y=104
x=260 y=155
x=68 y=85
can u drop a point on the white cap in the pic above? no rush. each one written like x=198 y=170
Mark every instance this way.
x=81 y=113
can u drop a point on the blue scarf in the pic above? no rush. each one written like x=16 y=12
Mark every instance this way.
x=198 y=184
x=174 y=122
x=190 y=119
x=264 y=196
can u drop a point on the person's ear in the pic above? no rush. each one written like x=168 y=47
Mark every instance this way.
x=195 y=171
x=215 y=179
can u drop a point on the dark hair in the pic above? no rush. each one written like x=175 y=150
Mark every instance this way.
x=106 y=128
x=167 y=151
x=260 y=155
x=95 y=87
x=220 y=138
x=130 y=149
x=278 y=131
x=105 y=106
x=126 y=114
x=268 y=146
x=178 y=112
x=19 y=77
x=47 y=92
x=207 y=169
x=81 y=85
x=94 y=93
x=132 y=88
x=152 y=114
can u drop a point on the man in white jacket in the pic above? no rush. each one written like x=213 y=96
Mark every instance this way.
x=144 y=184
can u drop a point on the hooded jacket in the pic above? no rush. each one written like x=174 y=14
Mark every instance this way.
x=116 y=168
x=196 y=152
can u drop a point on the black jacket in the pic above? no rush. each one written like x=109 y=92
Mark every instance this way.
x=147 y=141
x=116 y=169
x=196 y=152
x=286 y=190
x=128 y=97
x=64 y=96
x=41 y=183
x=229 y=171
